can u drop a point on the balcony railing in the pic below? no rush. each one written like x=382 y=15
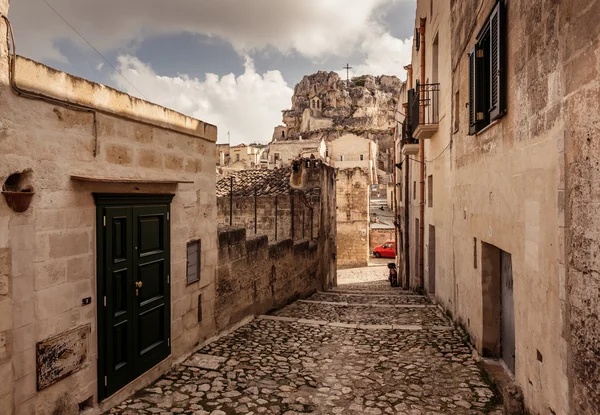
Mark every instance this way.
x=425 y=110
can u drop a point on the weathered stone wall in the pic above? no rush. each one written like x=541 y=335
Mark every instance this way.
x=254 y=276
x=48 y=253
x=352 y=198
x=579 y=70
x=378 y=237
x=526 y=185
x=267 y=207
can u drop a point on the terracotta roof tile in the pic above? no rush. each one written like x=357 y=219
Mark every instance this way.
x=267 y=182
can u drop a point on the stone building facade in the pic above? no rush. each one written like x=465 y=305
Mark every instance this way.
x=505 y=236
x=295 y=203
x=259 y=273
x=353 y=220
x=108 y=172
x=348 y=125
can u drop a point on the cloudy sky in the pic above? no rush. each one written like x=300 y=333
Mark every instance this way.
x=233 y=63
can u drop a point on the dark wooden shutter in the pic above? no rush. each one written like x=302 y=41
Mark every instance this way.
x=497 y=61
x=477 y=87
x=413 y=116
x=472 y=103
x=417 y=39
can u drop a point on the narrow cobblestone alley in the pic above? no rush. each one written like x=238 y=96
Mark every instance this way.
x=363 y=348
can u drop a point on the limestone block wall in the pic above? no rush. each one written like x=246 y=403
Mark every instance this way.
x=352 y=207
x=505 y=187
x=48 y=253
x=579 y=191
x=267 y=207
x=506 y=193
x=254 y=276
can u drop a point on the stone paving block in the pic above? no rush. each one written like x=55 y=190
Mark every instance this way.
x=313 y=322
x=204 y=361
x=407 y=327
x=442 y=328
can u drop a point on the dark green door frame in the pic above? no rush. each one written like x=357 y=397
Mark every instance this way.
x=133 y=248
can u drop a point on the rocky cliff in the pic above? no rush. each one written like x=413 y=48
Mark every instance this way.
x=324 y=105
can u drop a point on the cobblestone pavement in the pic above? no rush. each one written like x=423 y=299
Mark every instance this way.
x=305 y=360
x=423 y=316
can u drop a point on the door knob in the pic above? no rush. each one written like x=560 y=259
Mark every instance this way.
x=138 y=285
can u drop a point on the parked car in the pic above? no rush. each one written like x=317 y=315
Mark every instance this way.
x=386 y=250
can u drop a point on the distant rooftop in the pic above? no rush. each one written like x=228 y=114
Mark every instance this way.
x=266 y=182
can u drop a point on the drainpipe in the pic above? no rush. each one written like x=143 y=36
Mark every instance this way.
x=394 y=191
x=406 y=283
x=422 y=165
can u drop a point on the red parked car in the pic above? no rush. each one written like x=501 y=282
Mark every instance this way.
x=386 y=250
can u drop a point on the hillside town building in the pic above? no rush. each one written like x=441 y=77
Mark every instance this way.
x=348 y=126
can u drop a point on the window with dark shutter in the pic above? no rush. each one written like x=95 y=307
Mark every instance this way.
x=487 y=85
x=417 y=39
x=430 y=191
x=413 y=116
x=472 y=107
x=193 y=261
x=497 y=58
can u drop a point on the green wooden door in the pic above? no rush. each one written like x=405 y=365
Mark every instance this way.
x=151 y=302
x=133 y=287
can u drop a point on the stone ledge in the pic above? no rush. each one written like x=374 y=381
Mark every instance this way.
x=371 y=293
x=375 y=326
x=344 y=325
x=351 y=325
x=346 y=304
x=313 y=322
x=510 y=392
x=37 y=77
x=325 y=302
x=406 y=327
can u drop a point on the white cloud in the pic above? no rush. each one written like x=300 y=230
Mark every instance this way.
x=248 y=106
x=313 y=28
x=385 y=55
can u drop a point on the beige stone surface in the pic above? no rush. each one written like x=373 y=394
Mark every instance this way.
x=352 y=207
x=526 y=184
x=47 y=254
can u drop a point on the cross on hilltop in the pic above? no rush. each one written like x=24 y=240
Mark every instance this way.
x=347 y=68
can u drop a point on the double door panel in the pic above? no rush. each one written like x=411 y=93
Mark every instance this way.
x=136 y=288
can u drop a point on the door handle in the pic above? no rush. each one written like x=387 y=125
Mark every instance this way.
x=138 y=285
